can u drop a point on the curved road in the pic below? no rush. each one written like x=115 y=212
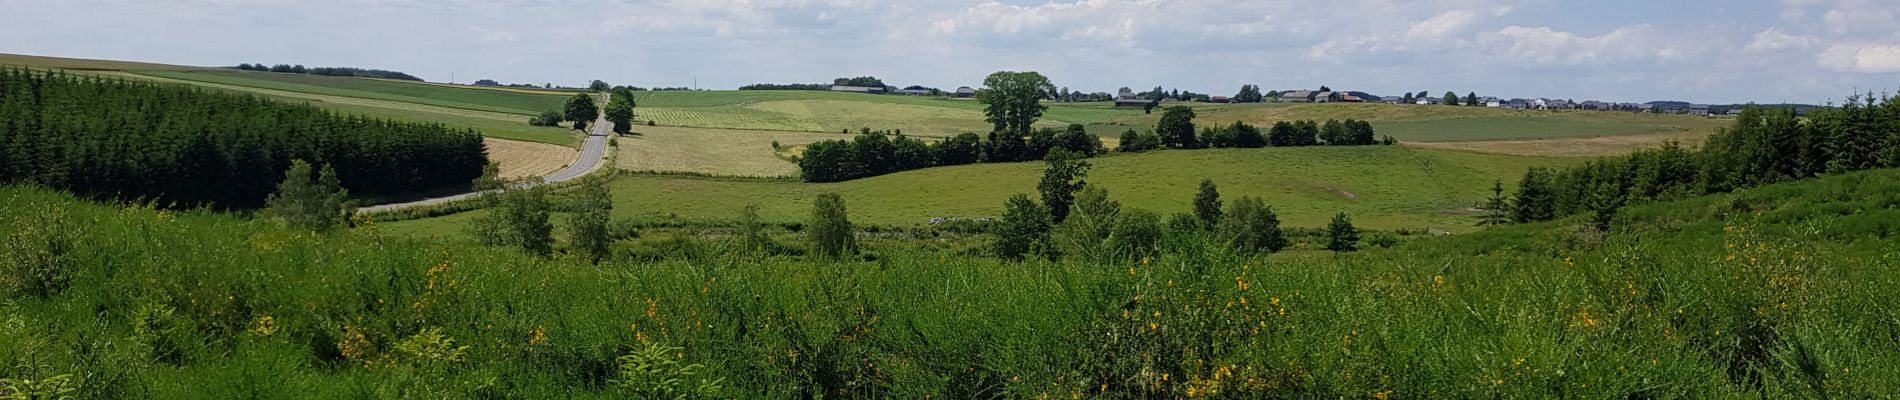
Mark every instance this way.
x=592 y=151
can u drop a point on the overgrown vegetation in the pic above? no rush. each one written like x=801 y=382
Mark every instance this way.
x=1775 y=292
x=183 y=147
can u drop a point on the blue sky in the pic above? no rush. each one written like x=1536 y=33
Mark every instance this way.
x=1703 y=51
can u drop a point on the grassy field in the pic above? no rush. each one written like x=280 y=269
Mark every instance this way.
x=1777 y=292
x=409 y=92
x=1414 y=123
x=721 y=152
x=1383 y=187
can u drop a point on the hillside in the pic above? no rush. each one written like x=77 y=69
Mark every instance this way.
x=494 y=113
x=1385 y=187
x=1777 y=292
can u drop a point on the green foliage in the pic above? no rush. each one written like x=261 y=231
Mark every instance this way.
x=588 y=228
x=619 y=110
x=60 y=387
x=518 y=217
x=599 y=85
x=580 y=110
x=1065 y=174
x=752 y=236
x=1250 y=226
x=547 y=118
x=1341 y=236
x=1134 y=142
x=1534 y=201
x=657 y=372
x=1086 y=231
x=1497 y=210
x=181 y=147
x=315 y=205
x=1136 y=235
x=1012 y=101
x=430 y=348
x=1024 y=230
x=1451 y=98
x=1774 y=292
x=1176 y=127
x=830 y=228
x=1207 y=205
x=38 y=258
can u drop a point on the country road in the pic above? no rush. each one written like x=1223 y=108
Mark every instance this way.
x=592 y=151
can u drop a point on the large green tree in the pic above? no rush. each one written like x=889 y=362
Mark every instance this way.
x=1451 y=98
x=1207 y=204
x=587 y=229
x=619 y=110
x=1534 y=200
x=1177 y=127
x=1250 y=226
x=581 y=110
x=1012 y=101
x=1066 y=174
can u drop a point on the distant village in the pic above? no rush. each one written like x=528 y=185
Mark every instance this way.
x=1129 y=99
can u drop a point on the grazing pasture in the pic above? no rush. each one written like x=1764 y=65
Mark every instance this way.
x=378 y=89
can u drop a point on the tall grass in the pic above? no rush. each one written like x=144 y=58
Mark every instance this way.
x=1777 y=292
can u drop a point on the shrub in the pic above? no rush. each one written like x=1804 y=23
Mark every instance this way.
x=1136 y=234
x=316 y=205
x=518 y=216
x=1341 y=235
x=830 y=227
x=1250 y=226
x=588 y=229
x=1207 y=204
x=1382 y=239
x=656 y=372
x=38 y=259
x=1025 y=228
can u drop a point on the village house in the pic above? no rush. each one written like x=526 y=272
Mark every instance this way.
x=1700 y=110
x=966 y=91
x=1296 y=96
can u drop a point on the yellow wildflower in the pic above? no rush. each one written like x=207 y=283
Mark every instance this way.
x=265 y=326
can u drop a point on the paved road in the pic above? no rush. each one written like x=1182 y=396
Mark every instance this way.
x=592 y=151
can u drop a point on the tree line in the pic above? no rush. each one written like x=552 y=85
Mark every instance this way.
x=873 y=153
x=329 y=71
x=184 y=147
x=1762 y=146
x=1176 y=130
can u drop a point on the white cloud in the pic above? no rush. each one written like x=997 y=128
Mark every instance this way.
x=1444 y=24
x=1774 y=39
x=1862 y=58
x=1543 y=45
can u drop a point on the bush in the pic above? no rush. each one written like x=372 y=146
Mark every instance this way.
x=39 y=258
x=1250 y=226
x=1024 y=229
x=1137 y=233
x=315 y=205
x=518 y=216
x=656 y=372
x=547 y=118
x=1341 y=235
x=830 y=227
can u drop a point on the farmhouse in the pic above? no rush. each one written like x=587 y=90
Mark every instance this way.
x=912 y=92
x=857 y=89
x=1700 y=110
x=1132 y=102
x=1391 y=99
x=1296 y=96
x=1425 y=101
x=966 y=91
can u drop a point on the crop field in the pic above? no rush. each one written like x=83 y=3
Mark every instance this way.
x=435 y=95
x=491 y=124
x=1570 y=147
x=525 y=159
x=1383 y=187
x=819 y=111
x=722 y=152
x=85 y=64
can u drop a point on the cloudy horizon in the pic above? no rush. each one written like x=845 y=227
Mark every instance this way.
x=1768 y=51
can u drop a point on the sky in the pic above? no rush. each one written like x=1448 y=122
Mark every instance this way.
x=1708 y=51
